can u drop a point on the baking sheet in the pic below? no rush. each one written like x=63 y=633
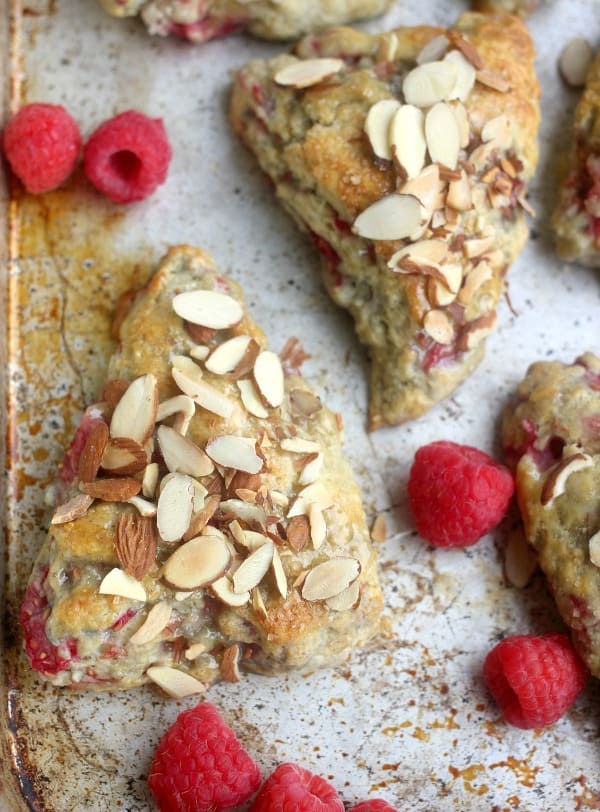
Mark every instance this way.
x=408 y=719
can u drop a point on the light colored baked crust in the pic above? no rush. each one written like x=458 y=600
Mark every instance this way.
x=88 y=633
x=576 y=218
x=311 y=143
x=555 y=418
x=199 y=20
x=521 y=7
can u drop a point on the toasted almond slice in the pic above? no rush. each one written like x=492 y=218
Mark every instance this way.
x=235 y=452
x=223 y=589
x=318 y=526
x=377 y=127
x=348 y=598
x=157 y=620
x=75 y=508
x=556 y=481
x=150 y=480
x=315 y=492
x=112 y=489
x=200 y=352
x=174 y=682
x=462 y=119
x=180 y=454
x=499 y=131
x=480 y=274
x=429 y=83
x=208 y=308
x=520 y=561
x=459 y=195
x=407 y=139
x=477 y=330
x=246 y=511
x=304 y=402
x=258 y=604
x=195 y=650
x=465 y=75
x=298 y=445
x=228 y=355
x=439 y=326
x=251 y=571
x=117 y=582
x=175 y=506
x=379 y=529
x=427 y=187
x=180 y=405
x=594 y=549
x=253 y=540
x=203 y=394
x=135 y=413
x=123 y=455
x=478 y=245
x=387 y=47
x=252 y=402
x=279 y=573
x=442 y=134
x=197 y=563
x=330 y=578
x=230 y=661
x=493 y=80
x=269 y=379
x=311 y=471
x=433 y=50
x=423 y=252
x=143 y=506
x=308 y=72
x=438 y=294
x=575 y=60
x=393 y=217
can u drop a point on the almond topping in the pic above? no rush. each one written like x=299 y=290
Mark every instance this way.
x=480 y=274
x=427 y=188
x=298 y=532
x=197 y=563
x=298 y=445
x=433 y=50
x=387 y=47
x=208 y=308
x=112 y=391
x=493 y=80
x=318 y=526
x=330 y=578
x=135 y=543
x=150 y=479
x=223 y=589
x=259 y=605
x=575 y=60
x=123 y=456
x=477 y=331
x=443 y=135
x=279 y=573
x=229 y=665
x=135 y=414
x=499 y=131
x=254 y=568
x=348 y=598
x=379 y=529
x=465 y=75
x=427 y=253
x=393 y=217
x=174 y=682
x=180 y=405
x=195 y=650
x=203 y=393
x=251 y=400
x=308 y=72
x=520 y=561
x=157 y=620
x=199 y=521
x=438 y=294
x=75 y=508
x=459 y=195
x=228 y=355
x=200 y=352
x=429 y=83
x=311 y=471
x=175 y=506
x=143 y=507
x=180 y=454
x=556 y=481
x=304 y=402
x=468 y=50
x=478 y=246
x=112 y=490
x=119 y=583
x=268 y=378
x=91 y=455
x=246 y=511
x=377 y=127
x=594 y=549
x=235 y=452
x=462 y=119
x=439 y=326
x=407 y=140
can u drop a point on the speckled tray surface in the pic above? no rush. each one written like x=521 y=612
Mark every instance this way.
x=408 y=719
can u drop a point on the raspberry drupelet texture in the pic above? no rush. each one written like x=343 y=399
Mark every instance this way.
x=42 y=145
x=534 y=679
x=200 y=765
x=457 y=493
x=128 y=156
x=291 y=788
x=376 y=805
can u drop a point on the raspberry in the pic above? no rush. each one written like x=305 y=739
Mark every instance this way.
x=376 y=805
x=291 y=788
x=534 y=679
x=457 y=493
x=128 y=156
x=42 y=144
x=200 y=765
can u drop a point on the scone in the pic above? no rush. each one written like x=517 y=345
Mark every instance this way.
x=576 y=219
x=551 y=433
x=521 y=7
x=209 y=522
x=404 y=157
x=200 y=20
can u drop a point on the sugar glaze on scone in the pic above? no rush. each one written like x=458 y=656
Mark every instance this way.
x=551 y=433
x=209 y=522
x=322 y=124
x=200 y=20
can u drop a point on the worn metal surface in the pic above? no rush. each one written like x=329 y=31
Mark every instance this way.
x=409 y=719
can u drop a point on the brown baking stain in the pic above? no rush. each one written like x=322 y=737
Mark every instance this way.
x=524 y=773
x=391 y=730
x=421 y=734
x=468 y=775
x=589 y=798
x=449 y=723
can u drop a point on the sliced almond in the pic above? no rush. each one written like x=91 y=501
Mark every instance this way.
x=200 y=517
x=93 y=449
x=254 y=568
x=195 y=650
x=479 y=245
x=157 y=620
x=315 y=492
x=387 y=47
x=308 y=72
x=174 y=682
x=180 y=405
x=150 y=479
x=251 y=400
x=393 y=217
x=197 y=563
x=234 y=452
x=299 y=445
x=143 y=506
x=462 y=119
x=427 y=187
x=124 y=456
x=228 y=355
x=594 y=549
x=465 y=75
x=348 y=598
x=203 y=393
x=75 y=508
x=429 y=83
x=229 y=665
x=258 y=604
x=135 y=413
x=200 y=352
x=117 y=582
x=135 y=544
x=433 y=50
x=468 y=50
x=175 y=506
x=330 y=578
x=556 y=481
x=269 y=378
x=520 y=562
x=377 y=127
x=459 y=195
x=279 y=574
x=208 y=308
x=499 y=131
x=442 y=134
x=298 y=532
x=480 y=274
x=305 y=403
x=477 y=331
x=575 y=60
x=407 y=139
x=112 y=490
x=246 y=511
x=438 y=294
x=312 y=470
x=428 y=253
x=223 y=589
x=318 y=526
x=439 y=326
x=180 y=454
x=493 y=80
x=379 y=529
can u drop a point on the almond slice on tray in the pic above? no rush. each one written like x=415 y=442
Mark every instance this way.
x=208 y=308
x=307 y=72
x=175 y=507
x=407 y=139
x=394 y=217
x=197 y=563
x=180 y=454
x=269 y=379
x=177 y=684
x=236 y=452
x=135 y=413
x=377 y=127
x=228 y=355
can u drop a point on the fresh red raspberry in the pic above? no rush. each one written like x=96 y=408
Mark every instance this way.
x=200 y=765
x=376 y=805
x=42 y=144
x=457 y=493
x=128 y=156
x=291 y=788
x=534 y=679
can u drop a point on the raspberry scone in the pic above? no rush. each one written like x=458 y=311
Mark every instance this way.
x=576 y=220
x=209 y=522
x=404 y=156
x=551 y=433
x=521 y=7
x=200 y=20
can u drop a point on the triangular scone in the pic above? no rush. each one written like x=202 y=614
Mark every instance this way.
x=551 y=433
x=521 y=7
x=195 y=541
x=576 y=219
x=355 y=120
x=283 y=19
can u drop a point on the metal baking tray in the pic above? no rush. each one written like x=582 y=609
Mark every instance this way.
x=409 y=718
